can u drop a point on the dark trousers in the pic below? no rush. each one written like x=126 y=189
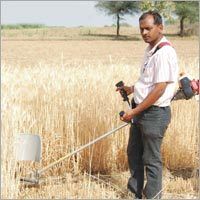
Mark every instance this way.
x=146 y=134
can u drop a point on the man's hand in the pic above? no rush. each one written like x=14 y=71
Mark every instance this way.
x=128 y=115
x=128 y=89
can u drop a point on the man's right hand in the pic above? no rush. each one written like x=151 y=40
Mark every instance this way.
x=129 y=90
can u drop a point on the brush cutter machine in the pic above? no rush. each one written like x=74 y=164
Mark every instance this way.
x=187 y=89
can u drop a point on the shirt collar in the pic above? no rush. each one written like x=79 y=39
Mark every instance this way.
x=150 y=52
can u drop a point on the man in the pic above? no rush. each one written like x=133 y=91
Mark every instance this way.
x=152 y=94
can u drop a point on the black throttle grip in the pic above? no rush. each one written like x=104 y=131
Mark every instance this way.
x=121 y=113
x=122 y=91
x=119 y=84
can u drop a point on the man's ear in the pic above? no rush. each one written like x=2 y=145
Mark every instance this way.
x=161 y=28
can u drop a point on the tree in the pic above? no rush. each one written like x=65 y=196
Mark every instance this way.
x=186 y=11
x=165 y=8
x=118 y=9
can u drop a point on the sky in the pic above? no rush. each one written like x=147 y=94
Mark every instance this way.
x=58 y=13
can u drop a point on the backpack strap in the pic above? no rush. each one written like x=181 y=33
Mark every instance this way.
x=162 y=44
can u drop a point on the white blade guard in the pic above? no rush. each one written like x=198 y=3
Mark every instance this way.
x=28 y=147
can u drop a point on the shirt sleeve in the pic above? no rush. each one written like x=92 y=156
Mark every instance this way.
x=165 y=66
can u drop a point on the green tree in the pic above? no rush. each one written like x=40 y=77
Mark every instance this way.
x=118 y=9
x=186 y=11
x=165 y=8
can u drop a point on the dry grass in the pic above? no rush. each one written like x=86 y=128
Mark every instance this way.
x=81 y=33
x=71 y=187
x=61 y=33
x=64 y=91
x=183 y=137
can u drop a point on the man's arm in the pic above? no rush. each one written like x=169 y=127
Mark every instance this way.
x=153 y=96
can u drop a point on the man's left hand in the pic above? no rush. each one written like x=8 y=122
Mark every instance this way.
x=128 y=115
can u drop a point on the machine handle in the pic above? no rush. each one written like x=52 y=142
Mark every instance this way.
x=122 y=91
x=121 y=113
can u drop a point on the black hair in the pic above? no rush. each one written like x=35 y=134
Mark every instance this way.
x=157 y=17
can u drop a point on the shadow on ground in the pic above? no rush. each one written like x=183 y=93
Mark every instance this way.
x=172 y=35
x=113 y=37
x=185 y=173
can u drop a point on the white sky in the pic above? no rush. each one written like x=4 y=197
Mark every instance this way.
x=57 y=13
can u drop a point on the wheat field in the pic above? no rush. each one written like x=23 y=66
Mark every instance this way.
x=64 y=91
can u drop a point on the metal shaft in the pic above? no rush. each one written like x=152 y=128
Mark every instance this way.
x=82 y=147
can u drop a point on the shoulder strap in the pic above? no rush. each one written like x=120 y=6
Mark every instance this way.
x=162 y=44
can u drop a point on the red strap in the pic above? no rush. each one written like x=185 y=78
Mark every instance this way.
x=162 y=44
x=195 y=86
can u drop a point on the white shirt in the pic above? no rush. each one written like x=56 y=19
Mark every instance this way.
x=159 y=67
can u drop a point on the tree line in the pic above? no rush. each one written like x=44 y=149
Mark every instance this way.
x=21 y=26
x=185 y=11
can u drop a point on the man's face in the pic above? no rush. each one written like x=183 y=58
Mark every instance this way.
x=150 y=32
